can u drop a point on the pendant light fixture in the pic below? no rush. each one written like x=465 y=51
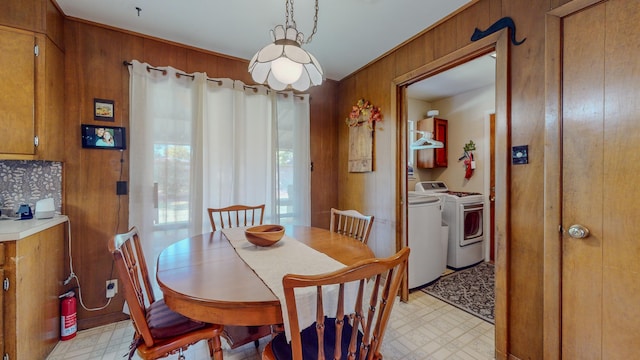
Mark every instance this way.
x=284 y=63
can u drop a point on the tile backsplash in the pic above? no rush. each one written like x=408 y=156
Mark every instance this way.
x=26 y=182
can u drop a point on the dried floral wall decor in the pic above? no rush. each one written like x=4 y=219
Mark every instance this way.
x=362 y=123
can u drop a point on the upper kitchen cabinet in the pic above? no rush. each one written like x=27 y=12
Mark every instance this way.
x=17 y=91
x=23 y=14
x=31 y=96
x=40 y=16
x=432 y=158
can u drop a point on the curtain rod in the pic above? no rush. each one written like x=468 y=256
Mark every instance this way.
x=164 y=72
x=219 y=82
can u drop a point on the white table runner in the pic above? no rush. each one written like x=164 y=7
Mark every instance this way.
x=289 y=256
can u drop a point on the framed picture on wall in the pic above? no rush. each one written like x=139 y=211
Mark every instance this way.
x=103 y=110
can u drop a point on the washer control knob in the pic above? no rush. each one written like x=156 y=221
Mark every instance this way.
x=578 y=231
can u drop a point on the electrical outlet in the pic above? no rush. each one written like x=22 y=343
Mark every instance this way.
x=112 y=288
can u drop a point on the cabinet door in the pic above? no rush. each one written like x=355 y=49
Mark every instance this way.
x=50 y=102
x=17 y=91
x=425 y=158
x=432 y=158
x=440 y=134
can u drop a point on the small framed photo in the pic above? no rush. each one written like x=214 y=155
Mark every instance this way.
x=102 y=137
x=103 y=110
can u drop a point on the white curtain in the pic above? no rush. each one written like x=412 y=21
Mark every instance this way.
x=197 y=143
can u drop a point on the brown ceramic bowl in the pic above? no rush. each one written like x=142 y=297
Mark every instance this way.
x=264 y=235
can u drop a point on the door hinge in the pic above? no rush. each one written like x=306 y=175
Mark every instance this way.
x=5 y=357
x=36 y=50
x=36 y=141
x=5 y=284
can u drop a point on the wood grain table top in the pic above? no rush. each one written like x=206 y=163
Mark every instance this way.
x=203 y=277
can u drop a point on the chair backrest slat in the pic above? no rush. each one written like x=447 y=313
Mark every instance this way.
x=351 y=223
x=236 y=216
x=381 y=276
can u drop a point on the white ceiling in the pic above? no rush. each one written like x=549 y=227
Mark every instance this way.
x=351 y=33
x=474 y=74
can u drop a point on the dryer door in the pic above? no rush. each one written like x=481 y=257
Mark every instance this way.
x=472 y=216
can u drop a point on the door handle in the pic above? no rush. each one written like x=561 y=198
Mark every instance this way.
x=578 y=231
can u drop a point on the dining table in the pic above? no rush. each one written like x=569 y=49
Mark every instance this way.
x=204 y=278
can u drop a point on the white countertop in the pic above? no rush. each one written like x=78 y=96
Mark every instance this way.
x=11 y=229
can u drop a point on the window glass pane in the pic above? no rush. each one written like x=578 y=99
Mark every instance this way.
x=171 y=178
x=285 y=185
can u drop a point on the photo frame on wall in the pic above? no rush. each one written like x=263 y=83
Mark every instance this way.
x=103 y=110
x=103 y=137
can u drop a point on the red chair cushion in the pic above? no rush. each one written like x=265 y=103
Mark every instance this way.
x=164 y=322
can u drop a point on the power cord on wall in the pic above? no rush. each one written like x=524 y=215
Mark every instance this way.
x=72 y=275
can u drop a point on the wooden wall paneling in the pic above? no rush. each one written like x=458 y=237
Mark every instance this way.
x=159 y=53
x=352 y=185
x=413 y=54
x=23 y=14
x=558 y=3
x=348 y=97
x=54 y=23
x=234 y=69
x=476 y=16
x=495 y=9
x=444 y=38
x=323 y=152
x=378 y=95
x=526 y=247
x=202 y=62
x=94 y=55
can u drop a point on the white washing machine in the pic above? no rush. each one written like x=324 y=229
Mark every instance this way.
x=428 y=256
x=464 y=213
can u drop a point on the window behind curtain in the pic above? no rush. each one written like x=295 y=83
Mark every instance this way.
x=197 y=143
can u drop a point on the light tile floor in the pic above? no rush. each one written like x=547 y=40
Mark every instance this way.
x=424 y=328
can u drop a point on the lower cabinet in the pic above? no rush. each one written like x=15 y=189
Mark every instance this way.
x=32 y=271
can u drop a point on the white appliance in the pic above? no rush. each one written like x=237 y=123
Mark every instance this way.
x=427 y=259
x=464 y=213
x=45 y=209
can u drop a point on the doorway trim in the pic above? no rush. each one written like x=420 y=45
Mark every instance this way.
x=552 y=258
x=498 y=42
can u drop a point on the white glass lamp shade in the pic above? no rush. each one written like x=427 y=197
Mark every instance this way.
x=284 y=63
x=285 y=70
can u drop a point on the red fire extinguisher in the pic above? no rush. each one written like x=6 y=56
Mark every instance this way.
x=68 y=326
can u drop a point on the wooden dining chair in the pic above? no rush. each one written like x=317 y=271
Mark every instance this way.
x=349 y=335
x=351 y=223
x=159 y=331
x=230 y=217
x=235 y=216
